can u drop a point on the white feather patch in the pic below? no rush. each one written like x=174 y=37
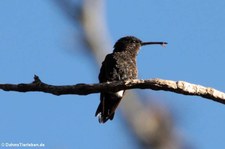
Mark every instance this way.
x=120 y=93
x=100 y=117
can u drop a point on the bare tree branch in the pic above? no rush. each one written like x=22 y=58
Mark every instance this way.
x=180 y=87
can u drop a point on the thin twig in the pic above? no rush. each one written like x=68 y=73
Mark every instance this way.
x=180 y=87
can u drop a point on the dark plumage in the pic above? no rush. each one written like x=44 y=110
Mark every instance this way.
x=119 y=65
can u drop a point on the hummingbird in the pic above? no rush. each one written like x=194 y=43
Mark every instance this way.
x=117 y=66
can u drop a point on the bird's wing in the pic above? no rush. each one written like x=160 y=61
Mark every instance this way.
x=108 y=101
x=106 y=70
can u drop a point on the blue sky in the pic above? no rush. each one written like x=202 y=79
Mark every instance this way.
x=36 y=38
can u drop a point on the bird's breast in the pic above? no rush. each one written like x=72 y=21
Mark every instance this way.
x=126 y=67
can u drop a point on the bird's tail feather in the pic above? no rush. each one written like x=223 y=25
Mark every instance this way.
x=107 y=106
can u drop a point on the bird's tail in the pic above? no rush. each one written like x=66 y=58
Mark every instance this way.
x=107 y=106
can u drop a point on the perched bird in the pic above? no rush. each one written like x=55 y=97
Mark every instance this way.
x=119 y=65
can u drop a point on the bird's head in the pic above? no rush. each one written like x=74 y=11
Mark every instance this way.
x=132 y=44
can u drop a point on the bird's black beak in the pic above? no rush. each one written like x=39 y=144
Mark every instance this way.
x=148 y=43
